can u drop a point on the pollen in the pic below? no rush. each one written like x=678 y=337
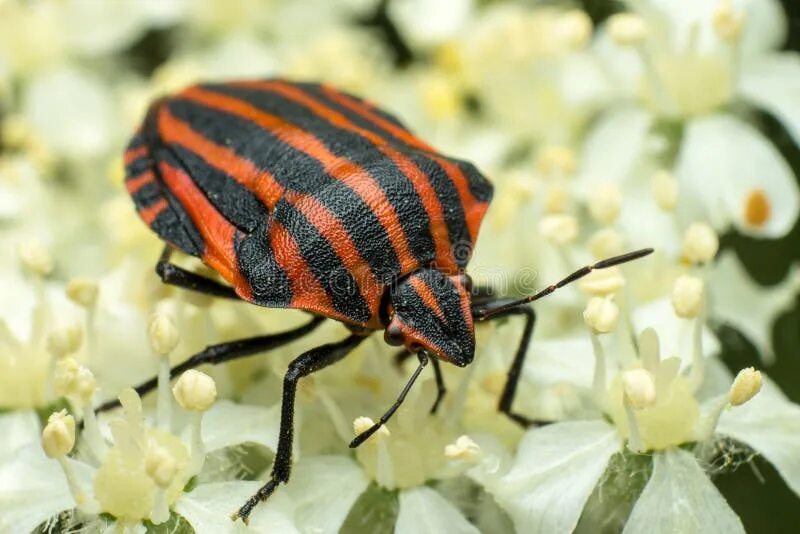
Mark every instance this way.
x=757 y=209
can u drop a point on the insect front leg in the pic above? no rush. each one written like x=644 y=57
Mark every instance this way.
x=305 y=364
x=176 y=276
x=441 y=389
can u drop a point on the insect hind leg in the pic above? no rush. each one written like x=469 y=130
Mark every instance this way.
x=173 y=275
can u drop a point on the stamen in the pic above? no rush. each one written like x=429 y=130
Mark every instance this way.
x=163 y=338
x=463 y=449
x=195 y=392
x=599 y=389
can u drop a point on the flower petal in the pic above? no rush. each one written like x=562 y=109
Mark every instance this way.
x=680 y=498
x=33 y=488
x=556 y=469
x=227 y=424
x=317 y=498
x=424 y=511
x=429 y=23
x=18 y=428
x=724 y=162
x=770 y=424
x=772 y=82
x=748 y=306
x=208 y=507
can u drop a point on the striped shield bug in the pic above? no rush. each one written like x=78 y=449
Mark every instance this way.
x=302 y=196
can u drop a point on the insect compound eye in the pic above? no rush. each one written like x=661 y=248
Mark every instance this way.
x=393 y=336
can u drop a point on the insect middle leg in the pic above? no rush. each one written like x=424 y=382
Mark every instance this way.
x=173 y=275
x=305 y=364
x=224 y=352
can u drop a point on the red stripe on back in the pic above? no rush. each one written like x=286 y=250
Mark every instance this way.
x=150 y=213
x=217 y=232
x=258 y=181
x=337 y=167
x=427 y=296
x=135 y=153
x=423 y=188
x=137 y=182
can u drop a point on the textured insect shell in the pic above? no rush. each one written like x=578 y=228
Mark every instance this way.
x=300 y=195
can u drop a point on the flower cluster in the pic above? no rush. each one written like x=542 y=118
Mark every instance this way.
x=600 y=135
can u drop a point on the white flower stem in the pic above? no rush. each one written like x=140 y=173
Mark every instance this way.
x=91 y=433
x=697 y=372
x=164 y=403
x=599 y=381
x=198 y=449
x=91 y=335
x=82 y=502
x=635 y=443
x=659 y=91
x=709 y=423
x=384 y=471
x=160 y=513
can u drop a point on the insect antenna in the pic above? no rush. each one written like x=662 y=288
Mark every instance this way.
x=580 y=273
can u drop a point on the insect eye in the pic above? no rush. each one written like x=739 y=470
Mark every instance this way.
x=393 y=336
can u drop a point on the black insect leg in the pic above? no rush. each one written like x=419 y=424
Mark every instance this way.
x=305 y=364
x=441 y=389
x=173 y=275
x=224 y=352
x=515 y=371
x=361 y=438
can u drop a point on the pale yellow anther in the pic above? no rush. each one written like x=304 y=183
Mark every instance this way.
x=463 y=449
x=745 y=386
x=627 y=29
x=164 y=335
x=65 y=340
x=601 y=314
x=559 y=229
x=687 y=296
x=602 y=282
x=665 y=189
x=606 y=243
x=160 y=465
x=82 y=291
x=556 y=198
x=362 y=424
x=700 y=243
x=605 y=202
x=574 y=28
x=58 y=436
x=35 y=257
x=727 y=22
x=73 y=380
x=195 y=391
x=554 y=160
x=639 y=386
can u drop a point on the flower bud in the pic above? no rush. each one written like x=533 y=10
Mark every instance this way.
x=65 y=340
x=575 y=28
x=362 y=424
x=559 y=229
x=687 y=296
x=745 y=386
x=700 y=243
x=602 y=282
x=601 y=314
x=627 y=29
x=727 y=22
x=82 y=291
x=665 y=189
x=463 y=449
x=160 y=465
x=195 y=391
x=605 y=202
x=556 y=198
x=73 y=380
x=554 y=160
x=163 y=334
x=35 y=257
x=639 y=387
x=606 y=243
x=58 y=436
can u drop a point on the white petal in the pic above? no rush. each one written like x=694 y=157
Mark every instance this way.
x=33 y=488
x=72 y=109
x=96 y=28
x=679 y=497
x=428 y=23
x=18 y=428
x=675 y=335
x=723 y=160
x=772 y=82
x=748 y=306
x=424 y=511
x=770 y=424
x=227 y=424
x=614 y=145
x=208 y=507
x=240 y=56
x=556 y=469
x=318 y=497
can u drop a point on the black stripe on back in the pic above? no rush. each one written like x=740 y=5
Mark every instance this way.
x=398 y=188
x=268 y=282
x=238 y=205
x=296 y=171
x=334 y=277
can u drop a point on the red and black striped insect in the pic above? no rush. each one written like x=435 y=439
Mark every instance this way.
x=302 y=196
